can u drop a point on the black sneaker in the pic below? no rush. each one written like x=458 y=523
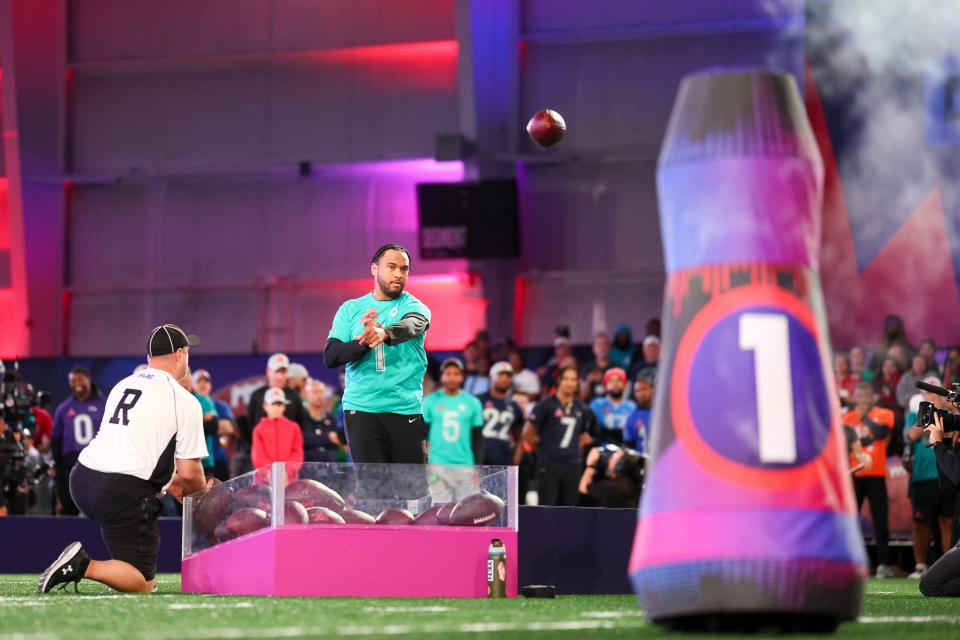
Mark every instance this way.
x=69 y=567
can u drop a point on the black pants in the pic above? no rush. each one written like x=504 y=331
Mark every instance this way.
x=558 y=484
x=127 y=510
x=386 y=437
x=875 y=490
x=943 y=578
x=64 y=467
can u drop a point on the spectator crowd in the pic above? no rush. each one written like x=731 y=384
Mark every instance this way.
x=577 y=425
x=879 y=405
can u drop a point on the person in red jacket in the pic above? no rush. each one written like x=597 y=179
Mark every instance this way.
x=277 y=438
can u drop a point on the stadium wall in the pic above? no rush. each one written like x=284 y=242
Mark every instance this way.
x=228 y=167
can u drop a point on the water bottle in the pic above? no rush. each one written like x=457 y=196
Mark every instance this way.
x=497 y=570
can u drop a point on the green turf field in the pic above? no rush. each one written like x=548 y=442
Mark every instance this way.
x=893 y=607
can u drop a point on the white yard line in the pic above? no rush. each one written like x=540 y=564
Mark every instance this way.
x=429 y=609
x=885 y=619
x=229 y=633
x=210 y=605
x=54 y=598
x=612 y=615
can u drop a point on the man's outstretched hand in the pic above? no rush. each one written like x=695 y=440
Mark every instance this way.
x=373 y=334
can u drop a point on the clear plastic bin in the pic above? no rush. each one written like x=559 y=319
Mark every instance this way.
x=350 y=495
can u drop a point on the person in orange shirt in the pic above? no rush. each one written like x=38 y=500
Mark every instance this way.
x=873 y=426
x=277 y=438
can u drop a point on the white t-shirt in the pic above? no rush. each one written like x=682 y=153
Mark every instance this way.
x=149 y=420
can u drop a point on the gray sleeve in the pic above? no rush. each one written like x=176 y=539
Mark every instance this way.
x=410 y=326
x=905 y=390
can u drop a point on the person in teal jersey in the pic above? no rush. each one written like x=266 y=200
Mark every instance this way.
x=379 y=337
x=455 y=421
x=209 y=421
x=933 y=504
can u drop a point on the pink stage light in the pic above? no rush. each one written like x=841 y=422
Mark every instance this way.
x=456 y=302
x=4 y=215
x=8 y=336
x=419 y=169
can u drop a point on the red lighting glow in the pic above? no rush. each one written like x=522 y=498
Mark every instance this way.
x=4 y=216
x=427 y=66
x=8 y=336
x=391 y=53
x=457 y=306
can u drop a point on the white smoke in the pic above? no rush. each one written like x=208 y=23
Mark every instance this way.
x=884 y=37
x=879 y=57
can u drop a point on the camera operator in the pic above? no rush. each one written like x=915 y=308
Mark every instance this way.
x=933 y=504
x=943 y=578
x=14 y=488
x=613 y=478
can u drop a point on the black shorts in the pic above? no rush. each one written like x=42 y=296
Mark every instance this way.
x=127 y=509
x=930 y=502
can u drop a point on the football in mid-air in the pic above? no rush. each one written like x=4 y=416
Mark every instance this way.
x=211 y=508
x=546 y=127
x=312 y=493
x=354 y=516
x=323 y=515
x=429 y=517
x=247 y=520
x=395 y=516
x=294 y=513
x=477 y=509
x=255 y=496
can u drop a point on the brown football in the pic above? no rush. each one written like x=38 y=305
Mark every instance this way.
x=429 y=517
x=322 y=515
x=211 y=508
x=354 y=516
x=546 y=127
x=221 y=533
x=247 y=520
x=295 y=513
x=395 y=516
x=478 y=509
x=254 y=496
x=443 y=513
x=311 y=493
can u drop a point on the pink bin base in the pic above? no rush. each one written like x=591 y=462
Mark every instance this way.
x=352 y=560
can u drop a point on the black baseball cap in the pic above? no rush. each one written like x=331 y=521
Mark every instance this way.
x=167 y=338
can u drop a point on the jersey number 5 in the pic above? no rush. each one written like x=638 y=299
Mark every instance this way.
x=127 y=402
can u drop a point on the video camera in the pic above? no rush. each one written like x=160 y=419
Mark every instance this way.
x=951 y=421
x=17 y=400
x=16 y=410
x=630 y=465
